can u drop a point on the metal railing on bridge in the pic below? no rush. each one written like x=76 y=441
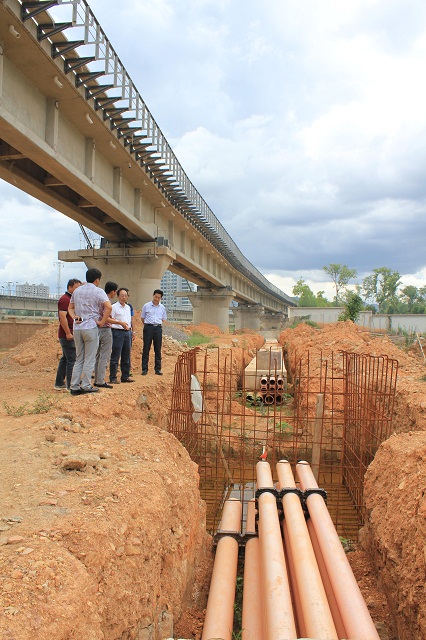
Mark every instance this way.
x=130 y=118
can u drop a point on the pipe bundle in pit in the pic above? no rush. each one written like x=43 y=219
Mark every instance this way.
x=272 y=389
x=299 y=585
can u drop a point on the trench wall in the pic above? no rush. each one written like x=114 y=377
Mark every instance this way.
x=395 y=530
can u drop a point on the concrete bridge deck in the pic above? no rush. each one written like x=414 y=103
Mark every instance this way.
x=76 y=134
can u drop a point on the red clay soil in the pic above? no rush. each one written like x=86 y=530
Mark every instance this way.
x=102 y=530
x=393 y=539
x=101 y=524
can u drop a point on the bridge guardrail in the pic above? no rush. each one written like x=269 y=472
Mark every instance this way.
x=134 y=124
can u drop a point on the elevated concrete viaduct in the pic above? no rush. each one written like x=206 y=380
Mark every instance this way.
x=76 y=134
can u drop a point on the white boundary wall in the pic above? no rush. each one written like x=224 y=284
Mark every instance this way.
x=412 y=323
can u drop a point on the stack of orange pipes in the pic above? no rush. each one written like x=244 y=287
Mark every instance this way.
x=299 y=585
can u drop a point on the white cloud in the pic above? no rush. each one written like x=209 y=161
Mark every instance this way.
x=30 y=236
x=301 y=123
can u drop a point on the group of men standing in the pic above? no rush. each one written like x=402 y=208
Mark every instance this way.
x=93 y=332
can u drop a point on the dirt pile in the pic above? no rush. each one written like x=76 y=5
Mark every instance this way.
x=102 y=530
x=395 y=488
x=43 y=350
x=395 y=531
x=101 y=526
x=410 y=400
x=204 y=328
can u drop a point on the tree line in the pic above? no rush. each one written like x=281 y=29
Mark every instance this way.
x=381 y=292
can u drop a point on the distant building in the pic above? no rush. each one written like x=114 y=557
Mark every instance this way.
x=32 y=290
x=170 y=283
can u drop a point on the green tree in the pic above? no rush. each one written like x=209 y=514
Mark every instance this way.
x=307 y=297
x=321 y=300
x=381 y=287
x=305 y=294
x=409 y=295
x=341 y=275
x=412 y=299
x=353 y=306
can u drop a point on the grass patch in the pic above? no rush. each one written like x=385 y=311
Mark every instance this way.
x=285 y=428
x=196 y=339
x=43 y=403
x=347 y=544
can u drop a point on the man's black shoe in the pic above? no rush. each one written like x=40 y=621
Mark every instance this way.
x=144 y=373
x=114 y=381
x=76 y=392
x=158 y=373
x=127 y=380
x=90 y=390
x=104 y=385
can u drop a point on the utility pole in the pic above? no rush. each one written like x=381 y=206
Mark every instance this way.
x=59 y=265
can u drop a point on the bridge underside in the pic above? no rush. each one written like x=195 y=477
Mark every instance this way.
x=65 y=140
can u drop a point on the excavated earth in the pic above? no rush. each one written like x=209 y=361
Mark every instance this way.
x=393 y=539
x=102 y=530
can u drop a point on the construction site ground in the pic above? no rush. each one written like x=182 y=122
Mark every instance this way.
x=102 y=531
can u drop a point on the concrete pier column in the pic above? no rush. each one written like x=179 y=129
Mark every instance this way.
x=272 y=320
x=138 y=268
x=247 y=317
x=212 y=306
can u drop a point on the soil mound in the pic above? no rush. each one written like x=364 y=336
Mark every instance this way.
x=205 y=328
x=394 y=534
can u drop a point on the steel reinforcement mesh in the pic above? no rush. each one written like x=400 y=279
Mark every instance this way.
x=230 y=409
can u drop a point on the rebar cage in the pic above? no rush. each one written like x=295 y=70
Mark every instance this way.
x=230 y=409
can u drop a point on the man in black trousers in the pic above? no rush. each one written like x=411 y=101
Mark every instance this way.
x=152 y=315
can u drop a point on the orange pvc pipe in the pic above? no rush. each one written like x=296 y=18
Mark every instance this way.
x=219 y=617
x=252 y=619
x=353 y=610
x=340 y=628
x=300 y=624
x=277 y=606
x=317 y=619
x=251 y=516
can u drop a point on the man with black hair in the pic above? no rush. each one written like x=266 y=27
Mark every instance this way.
x=152 y=315
x=66 y=338
x=105 y=344
x=88 y=303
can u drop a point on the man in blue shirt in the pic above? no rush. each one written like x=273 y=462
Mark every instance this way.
x=152 y=315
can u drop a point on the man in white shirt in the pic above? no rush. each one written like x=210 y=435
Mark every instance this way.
x=88 y=303
x=152 y=315
x=121 y=338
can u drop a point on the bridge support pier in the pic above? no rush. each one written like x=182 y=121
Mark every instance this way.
x=247 y=317
x=272 y=320
x=139 y=269
x=212 y=306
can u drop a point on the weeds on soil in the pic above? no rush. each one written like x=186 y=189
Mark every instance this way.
x=196 y=339
x=347 y=544
x=43 y=403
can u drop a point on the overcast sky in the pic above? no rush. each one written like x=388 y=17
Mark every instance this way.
x=302 y=123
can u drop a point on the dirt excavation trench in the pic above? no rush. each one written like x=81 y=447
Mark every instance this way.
x=103 y=531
